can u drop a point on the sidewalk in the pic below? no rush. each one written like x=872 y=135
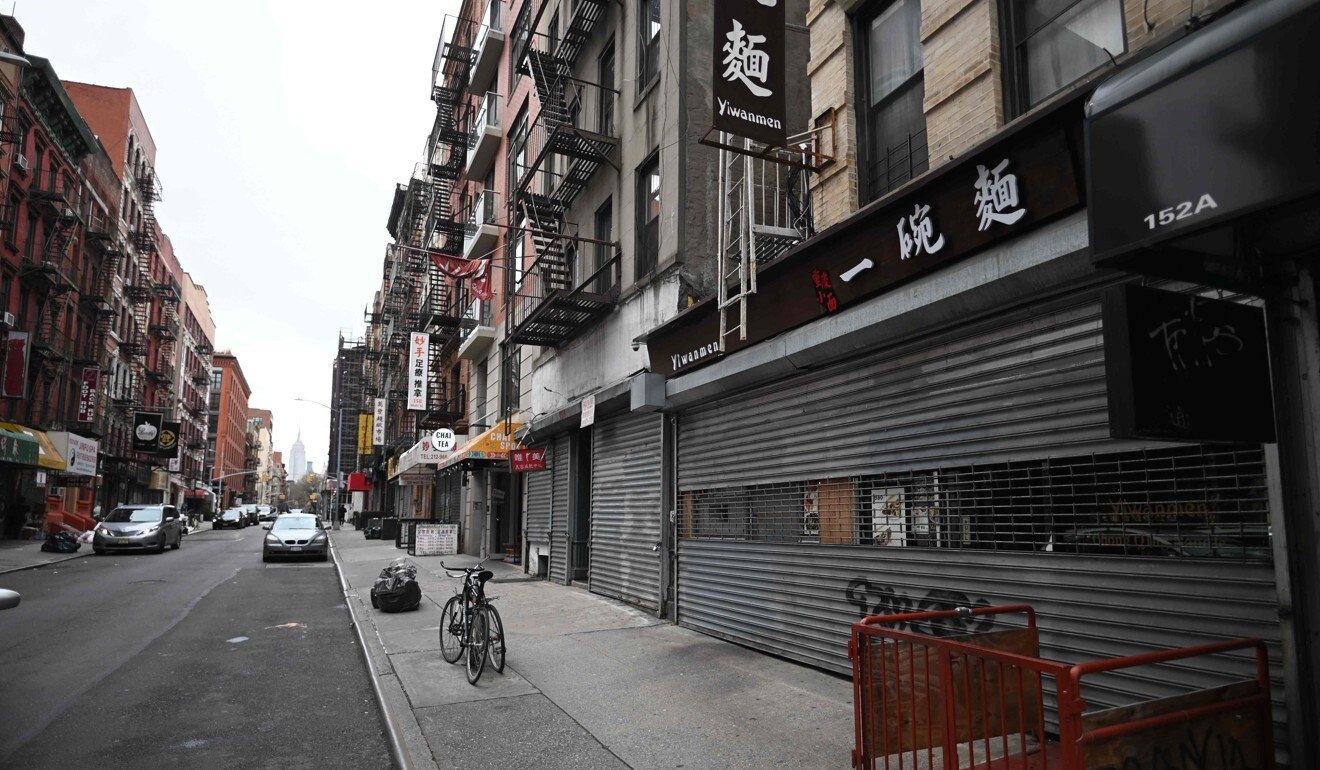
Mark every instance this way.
x=589 y=683
x=27 y=554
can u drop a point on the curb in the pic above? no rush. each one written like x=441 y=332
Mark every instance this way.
x=388 y=690
x=39 y=565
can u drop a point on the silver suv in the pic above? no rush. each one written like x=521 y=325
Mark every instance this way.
x=139 y=527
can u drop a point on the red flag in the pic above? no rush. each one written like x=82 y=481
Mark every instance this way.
x=476 y=271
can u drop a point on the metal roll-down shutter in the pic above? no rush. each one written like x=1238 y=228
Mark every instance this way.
x=540 y=493
x=559 y=509
x=625 y=509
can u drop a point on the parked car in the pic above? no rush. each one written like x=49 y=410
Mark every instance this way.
x=372 y=532
x=233 y=517
x=295 y=535
x=265 y=513
x=139 y=527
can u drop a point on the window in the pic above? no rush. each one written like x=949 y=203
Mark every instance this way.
x=517 y=152
x=648 y=216
x=5 y=282
x=30 y=247
x=522 y=34
x=1052 y=43
x=605 y=68
x=11 y=220
x=479 y=393
x=604 y=231
x=510 y=379
x=893 y=85
x=648 y=43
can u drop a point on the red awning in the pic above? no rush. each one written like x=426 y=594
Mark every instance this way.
x=194 y=493
x=357 y=482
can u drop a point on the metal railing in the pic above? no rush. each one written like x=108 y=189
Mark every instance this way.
x=481 y=209
x=487 y=116
x=539 y=284
x=895 y=166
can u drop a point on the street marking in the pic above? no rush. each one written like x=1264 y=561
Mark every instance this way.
x=237 y=639
x=288 y=625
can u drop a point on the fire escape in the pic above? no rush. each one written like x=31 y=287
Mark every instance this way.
x=51 y=272
x=161 y=368
x=103 y=240
x=572 y=281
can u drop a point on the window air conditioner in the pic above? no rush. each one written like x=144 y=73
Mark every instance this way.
x=22 y=162
x=7 y=320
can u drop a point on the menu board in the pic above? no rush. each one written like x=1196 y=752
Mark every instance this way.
x=436 y=540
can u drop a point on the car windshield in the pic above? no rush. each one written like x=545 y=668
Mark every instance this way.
x=141 y=515
x=232 y=513
x=295 y=522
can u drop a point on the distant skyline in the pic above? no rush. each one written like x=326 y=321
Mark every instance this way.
x=281 y=129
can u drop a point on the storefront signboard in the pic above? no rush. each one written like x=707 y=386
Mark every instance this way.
x=88 y=390
x=527 y=460
x=146 y=431
x=748 y=59
x=169 y=439
x=378 y=423
x=436 y=540
x=418 y=367
x=80 y=454
x=364 y=434
x=997 y=192
x=13 y=379
x=1182 y=367
x=589 y=411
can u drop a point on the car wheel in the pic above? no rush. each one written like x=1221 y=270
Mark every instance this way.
x=324 y=557
x=265 y=558
x=178 y=541
x=160 y=548
x=98 y=551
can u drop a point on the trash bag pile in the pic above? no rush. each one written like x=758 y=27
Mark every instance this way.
x=396 y=589
x=61 y=542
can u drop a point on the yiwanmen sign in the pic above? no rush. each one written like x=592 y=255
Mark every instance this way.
x=748 y=51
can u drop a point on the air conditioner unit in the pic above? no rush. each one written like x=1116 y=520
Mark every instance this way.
x=22 y=162
x=7 y=320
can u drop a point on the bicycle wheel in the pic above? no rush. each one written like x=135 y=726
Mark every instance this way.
x=495 y=637
x=476 y=649
x=451 y=630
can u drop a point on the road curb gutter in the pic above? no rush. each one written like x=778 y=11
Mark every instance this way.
x=405 y=755
x=50 y=563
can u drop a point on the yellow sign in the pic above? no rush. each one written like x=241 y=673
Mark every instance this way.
x=313 y=496
x=365 y=424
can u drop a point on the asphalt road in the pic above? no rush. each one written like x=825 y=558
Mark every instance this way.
x=201 y=657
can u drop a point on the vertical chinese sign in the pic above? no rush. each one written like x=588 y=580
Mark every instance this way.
x=87 y=393
x=364 y=434
x=749 y=70
x=418 y=364
x=378 y=424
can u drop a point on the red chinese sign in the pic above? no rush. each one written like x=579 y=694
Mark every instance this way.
x=527 y=460
x=87 y=393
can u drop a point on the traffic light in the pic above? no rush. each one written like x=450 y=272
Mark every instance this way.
x=310 y=478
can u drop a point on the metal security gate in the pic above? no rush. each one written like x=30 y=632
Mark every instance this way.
x=448 y=496
x=559 y=509
x=625 y=509
x=972 y=466
x=540 y=493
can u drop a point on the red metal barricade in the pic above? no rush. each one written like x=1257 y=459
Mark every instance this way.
x=927 y=697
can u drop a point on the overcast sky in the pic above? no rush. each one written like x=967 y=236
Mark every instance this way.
x=281 y=128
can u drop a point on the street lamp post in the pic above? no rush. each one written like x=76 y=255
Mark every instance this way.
x=339 y=458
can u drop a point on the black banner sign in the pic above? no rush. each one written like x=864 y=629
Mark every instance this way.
x=1183 y=367
x=169 y=439
x=146 y=431
x=748 y=82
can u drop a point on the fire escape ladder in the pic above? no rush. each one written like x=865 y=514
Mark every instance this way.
x=586 y=15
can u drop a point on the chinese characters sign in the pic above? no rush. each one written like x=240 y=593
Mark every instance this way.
x=1185 y=367
x=364 y=434
x=378 y=423
x=418 y=366
x=527 y=460
x=981 y=201
x=748 y=58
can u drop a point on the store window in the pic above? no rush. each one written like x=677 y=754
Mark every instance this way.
x=1180 y=502
x=648 y=43
x=1051 y=43
x=648 y=217
x=892 y=88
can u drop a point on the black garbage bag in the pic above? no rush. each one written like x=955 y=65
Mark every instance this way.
x=61 y=542
x=396 y=588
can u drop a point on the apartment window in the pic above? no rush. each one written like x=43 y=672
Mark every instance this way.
x=893 y=85
x=6 y=281
x=605 y=68
x=30 y=247
x=479 y=383
x=648 y=43
x=11 y=220
x=510 y=379
x=1052 y=43
x=648 y=216
x=521 y=37
x=517 y=152
x=604 y=232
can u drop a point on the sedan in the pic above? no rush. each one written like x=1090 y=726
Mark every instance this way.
x=234 y=517
x=139 y=527
x=295 y=534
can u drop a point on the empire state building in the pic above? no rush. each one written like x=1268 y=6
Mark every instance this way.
x=297 y=458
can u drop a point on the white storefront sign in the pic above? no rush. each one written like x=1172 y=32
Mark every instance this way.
x=378 y=423
x=436 y=540
x=79 y=453
x=589 y=411
x=419 y=358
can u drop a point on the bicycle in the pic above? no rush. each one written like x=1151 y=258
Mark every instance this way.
x=475 y=628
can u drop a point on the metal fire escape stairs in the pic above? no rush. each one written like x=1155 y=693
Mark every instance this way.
x=763 y=210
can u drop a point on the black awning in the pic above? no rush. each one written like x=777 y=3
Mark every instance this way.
x=1222 y=123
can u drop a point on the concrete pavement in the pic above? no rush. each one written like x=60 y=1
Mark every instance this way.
x=589 y=683
x=18 y=555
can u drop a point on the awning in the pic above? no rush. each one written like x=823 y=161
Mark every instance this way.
x=357 y=482
x=493 y=445
x=17 y=447
x=47 y=455
x=1220 y=124
x=423 y=453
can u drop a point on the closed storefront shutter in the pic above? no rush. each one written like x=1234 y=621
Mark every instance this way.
x=625 y=509
x=971 y=467
x=559 y=510
x=448 y=496
x=540 y=491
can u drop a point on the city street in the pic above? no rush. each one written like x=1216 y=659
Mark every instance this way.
x=202 y=656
